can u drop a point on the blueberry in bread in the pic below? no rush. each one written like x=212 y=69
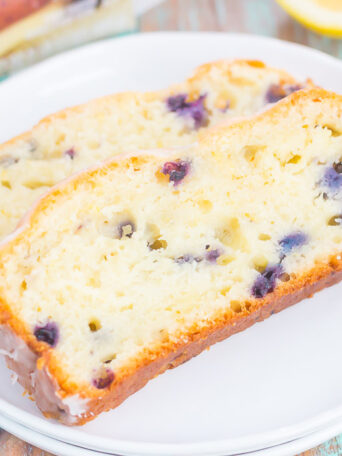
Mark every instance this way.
x=133 y=267
x=76 y=138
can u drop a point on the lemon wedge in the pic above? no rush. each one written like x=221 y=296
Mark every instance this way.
x=322 y=16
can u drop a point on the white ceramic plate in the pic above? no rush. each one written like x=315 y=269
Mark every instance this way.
x=279 y=380
x=64 y=449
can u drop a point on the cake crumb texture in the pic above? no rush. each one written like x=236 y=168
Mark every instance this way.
x=133 y=267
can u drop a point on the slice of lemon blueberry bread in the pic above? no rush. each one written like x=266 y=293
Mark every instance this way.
x=76 y=138
x=133 y=267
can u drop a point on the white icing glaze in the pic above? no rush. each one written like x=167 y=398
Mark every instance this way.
x=76 y=405
x=7 y=353
x=14 y=378
x=39 y=382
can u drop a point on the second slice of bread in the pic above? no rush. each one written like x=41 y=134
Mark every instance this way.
x=76 y=138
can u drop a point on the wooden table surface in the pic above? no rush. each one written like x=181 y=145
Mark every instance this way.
x=263 y=17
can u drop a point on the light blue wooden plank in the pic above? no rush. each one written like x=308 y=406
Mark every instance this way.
x=221 y=7
x=259 y=18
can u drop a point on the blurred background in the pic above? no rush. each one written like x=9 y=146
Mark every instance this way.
x=31 y=30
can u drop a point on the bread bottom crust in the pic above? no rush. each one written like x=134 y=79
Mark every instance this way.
x=76 y=411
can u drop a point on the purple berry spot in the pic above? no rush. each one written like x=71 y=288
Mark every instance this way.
x=212 y=255
x=176 y=170
x=291 y=88
x=187 y=259
x=293 y=241
x=194 y=110
x=48 y=333
x=70 y=153
x=265 y=282
x=277 y=92
x=126 y=229
x=104 y=378
x=332 y=179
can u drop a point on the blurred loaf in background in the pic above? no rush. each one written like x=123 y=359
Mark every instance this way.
x=31 y=30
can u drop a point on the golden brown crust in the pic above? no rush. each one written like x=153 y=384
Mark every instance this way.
x=169 y=354
x=315 y=95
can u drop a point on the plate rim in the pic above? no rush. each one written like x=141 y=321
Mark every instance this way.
x=129 y=448
x=284 y=449
x=42 y=441
x=50 y=428
x=95 y=46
